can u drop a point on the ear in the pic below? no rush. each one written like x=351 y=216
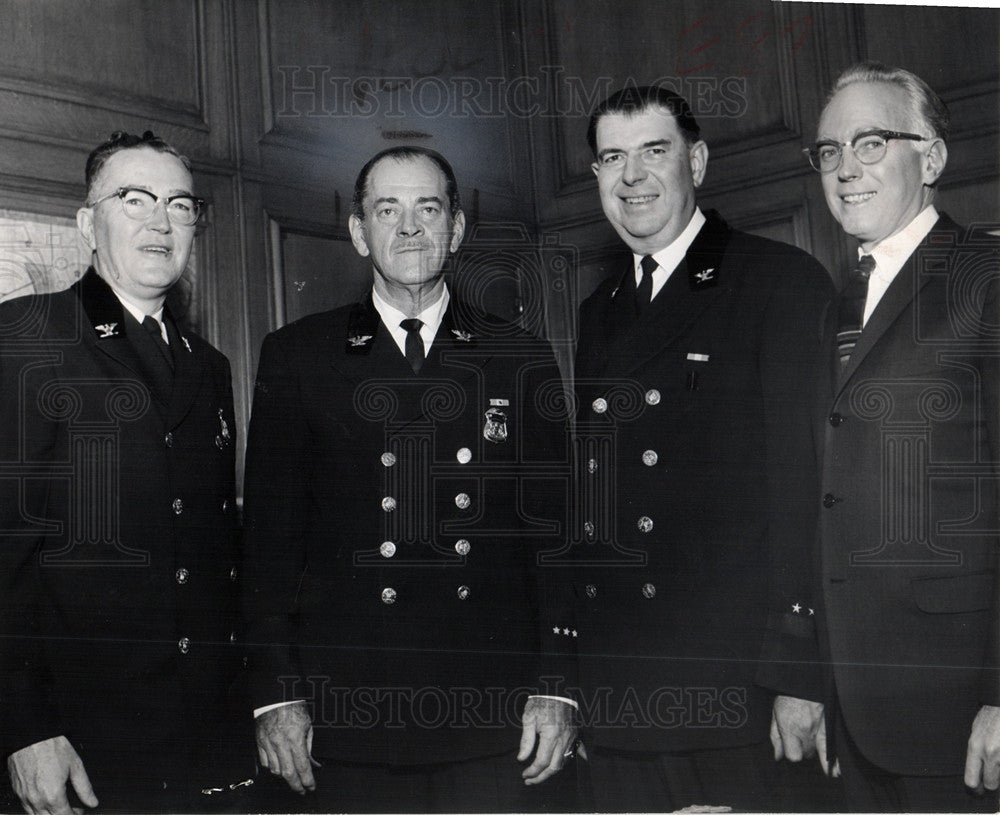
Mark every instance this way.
x=85 y=223
x=596 y=168
x=357 y=230
x=457 y=231
x=699 y=161
x=934 y=161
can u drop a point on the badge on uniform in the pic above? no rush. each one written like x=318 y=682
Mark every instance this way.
x=495 y=429
x=187 y=344
x=462 y=336
x=359 y=340
x=107 y=330
x=224 y=437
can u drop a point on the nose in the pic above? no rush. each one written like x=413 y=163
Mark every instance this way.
x=158 y=220
x=408 y=224
x=850 y=167
x=634 y=171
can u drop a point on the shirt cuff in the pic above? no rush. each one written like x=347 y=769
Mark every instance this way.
x=259 y=711
x=557 y=698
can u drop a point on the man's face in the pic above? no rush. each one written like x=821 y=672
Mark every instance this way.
x=647 y=175
x=408 y=230
x=873 y=201
x=140 y=259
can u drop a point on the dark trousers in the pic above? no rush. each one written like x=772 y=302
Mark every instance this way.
x=868 y=788
x=491 y=784
x=748 y=779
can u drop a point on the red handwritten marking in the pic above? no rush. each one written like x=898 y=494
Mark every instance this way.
x=680 y=37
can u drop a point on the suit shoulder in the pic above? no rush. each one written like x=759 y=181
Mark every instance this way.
x=37 y=316
x=780 y=261
x=313 y=327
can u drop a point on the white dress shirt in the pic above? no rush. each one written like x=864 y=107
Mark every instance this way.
x=431 y=317
x=891 y=253
x=669 y=258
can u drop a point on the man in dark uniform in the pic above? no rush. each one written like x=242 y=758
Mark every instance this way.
x=692 y=379
x=905 y=584
x=403 y=460
x=117 y=518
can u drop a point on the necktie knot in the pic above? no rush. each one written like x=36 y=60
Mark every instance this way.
x=865 y=267
x=648 y=264
x=152 y=325
x=414 y=343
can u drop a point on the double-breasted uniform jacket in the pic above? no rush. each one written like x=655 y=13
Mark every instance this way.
x=117 y=545
x=392 y=525
x=696 y=484
x=909 y=524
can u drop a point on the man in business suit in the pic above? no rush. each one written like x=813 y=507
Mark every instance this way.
x=906 y=595
x=403 y=459
x=696 y=453
x=117 y=517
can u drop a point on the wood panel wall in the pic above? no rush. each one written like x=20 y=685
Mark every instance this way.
x=278 y=103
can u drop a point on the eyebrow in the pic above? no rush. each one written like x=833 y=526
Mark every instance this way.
x=170 y=194
x=643 y=146
x=422 y=200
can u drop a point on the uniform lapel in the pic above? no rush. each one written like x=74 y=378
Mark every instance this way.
x=692 y=287
x=899 y=295
x=189 y=369
x=104 y=325
x=366 y=350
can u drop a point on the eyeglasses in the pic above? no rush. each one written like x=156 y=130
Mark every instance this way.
x=139 y=205
x=868 y=148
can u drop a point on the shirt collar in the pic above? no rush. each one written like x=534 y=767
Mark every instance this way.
x=671 y=255
x=891 y=253
x=430 y=316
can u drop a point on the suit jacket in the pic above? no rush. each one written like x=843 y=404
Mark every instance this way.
x=697 y=476
x=393 y=520
x=118 y=548
x=909 y=520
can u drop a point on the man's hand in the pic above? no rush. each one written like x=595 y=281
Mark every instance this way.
x=284 y=745
x=982 y=759
x=39 y=772
x=795 y=728
x=552 y=722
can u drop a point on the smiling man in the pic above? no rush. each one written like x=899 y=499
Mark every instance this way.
x=396 y=485
x=117 y=517
x=907 y=577
x=693 y=376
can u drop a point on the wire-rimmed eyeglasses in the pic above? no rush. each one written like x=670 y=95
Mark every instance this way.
x=868 y=148
x=140 y=204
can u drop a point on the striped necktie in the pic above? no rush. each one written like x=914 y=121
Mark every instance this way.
x=852 y=309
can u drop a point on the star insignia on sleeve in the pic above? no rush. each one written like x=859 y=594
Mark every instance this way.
x=555 y=629
x=812 y=613
x=797 y=608
x=566 y=632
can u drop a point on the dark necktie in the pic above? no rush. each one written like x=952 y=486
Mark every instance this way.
x=644 y=291
x=852 y=309
x=414 y=344
x=153 y=327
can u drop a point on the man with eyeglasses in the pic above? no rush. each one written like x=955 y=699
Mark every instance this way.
x=117 y=517
x=906 y=591
x=692 y=381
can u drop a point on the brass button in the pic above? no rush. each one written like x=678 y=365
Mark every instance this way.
x=599 y=405
x=388 y=459
x=645 y=524
x=184 y=645
x=388 y=503
x=463 y=592
x=652 y=397
x=182 y=575
x=591 y=591
x=592 y=466
x=178 y=506
x=463 y=547
x=168 y=440
x=463 y=501
x=649 y=591
x=387 y=549
x=649 y=458
x=588 y=529
x=464 y=455
x=388 y=596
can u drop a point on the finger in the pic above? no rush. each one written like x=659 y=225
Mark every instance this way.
x=527 y=740
x=543 y=757
x=793 y=746
x=81 y=783
x=991 y=774
x=309 y=748
x=556 y=761
x=288 y=769
x=303 y=766
x=821 y=747
x=973 y=768
x=262 y=757
x=776 y=739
